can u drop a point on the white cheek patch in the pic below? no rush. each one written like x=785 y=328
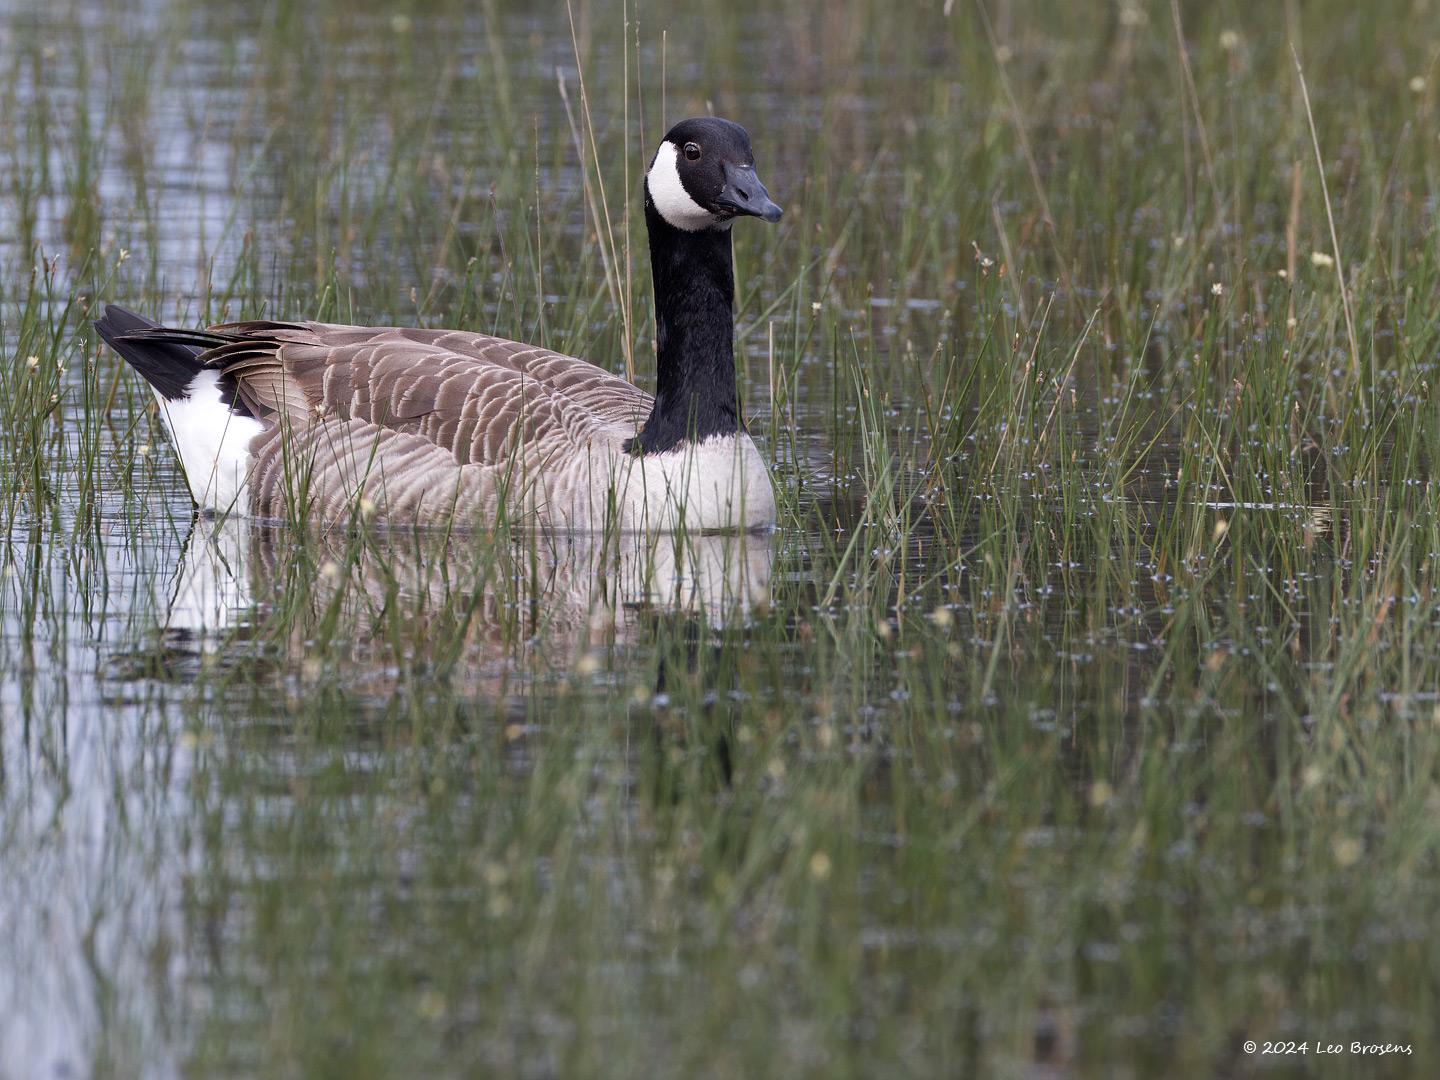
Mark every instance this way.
x=671 y=200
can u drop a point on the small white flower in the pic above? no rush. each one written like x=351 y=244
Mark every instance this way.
x=124 y=254
x=32 y=362
x=815 y=306
x=1417 y=84
x=1347 y=850
x=1321 y=259
x=1004 y=54
x=1217 y=289
x=1229 y=40
x=1282 y=274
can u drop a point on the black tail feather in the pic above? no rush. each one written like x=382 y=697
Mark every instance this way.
x=204 y=339
x=169 y=366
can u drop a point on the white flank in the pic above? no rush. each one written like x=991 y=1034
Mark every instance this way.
x=668 y=194
x=213 y=444
x=718 y=483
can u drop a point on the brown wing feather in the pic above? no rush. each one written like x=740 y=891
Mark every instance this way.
x=477 y=397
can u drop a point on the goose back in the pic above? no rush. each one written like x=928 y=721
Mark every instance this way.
x=435 y=426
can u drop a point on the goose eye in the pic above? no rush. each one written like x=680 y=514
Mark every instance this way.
x=692 y=151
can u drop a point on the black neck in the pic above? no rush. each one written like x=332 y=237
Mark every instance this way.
x=695 y=396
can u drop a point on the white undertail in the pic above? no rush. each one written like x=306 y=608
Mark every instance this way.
x=213 y=443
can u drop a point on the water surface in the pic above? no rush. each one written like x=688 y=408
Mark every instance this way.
x=1080 y=714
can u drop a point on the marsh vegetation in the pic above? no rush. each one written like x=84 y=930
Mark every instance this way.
x=1083 y=710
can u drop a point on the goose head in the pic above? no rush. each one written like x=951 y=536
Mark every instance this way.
x=703 y=177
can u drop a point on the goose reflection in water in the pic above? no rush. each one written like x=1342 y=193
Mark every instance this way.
x=486 y=606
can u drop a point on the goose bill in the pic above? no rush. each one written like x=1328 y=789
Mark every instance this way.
x=744 y=195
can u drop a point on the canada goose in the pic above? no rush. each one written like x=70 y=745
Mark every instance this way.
x=439 y=426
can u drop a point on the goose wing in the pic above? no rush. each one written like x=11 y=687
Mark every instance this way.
x=479 y=399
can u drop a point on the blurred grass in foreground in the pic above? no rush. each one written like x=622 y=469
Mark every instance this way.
x=1093 y=719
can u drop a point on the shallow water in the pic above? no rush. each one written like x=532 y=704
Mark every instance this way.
x=1088 y=734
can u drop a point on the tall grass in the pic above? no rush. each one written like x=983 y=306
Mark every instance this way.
x=1081 y=711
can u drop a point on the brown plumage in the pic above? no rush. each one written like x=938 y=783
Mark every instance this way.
x=418 y=423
